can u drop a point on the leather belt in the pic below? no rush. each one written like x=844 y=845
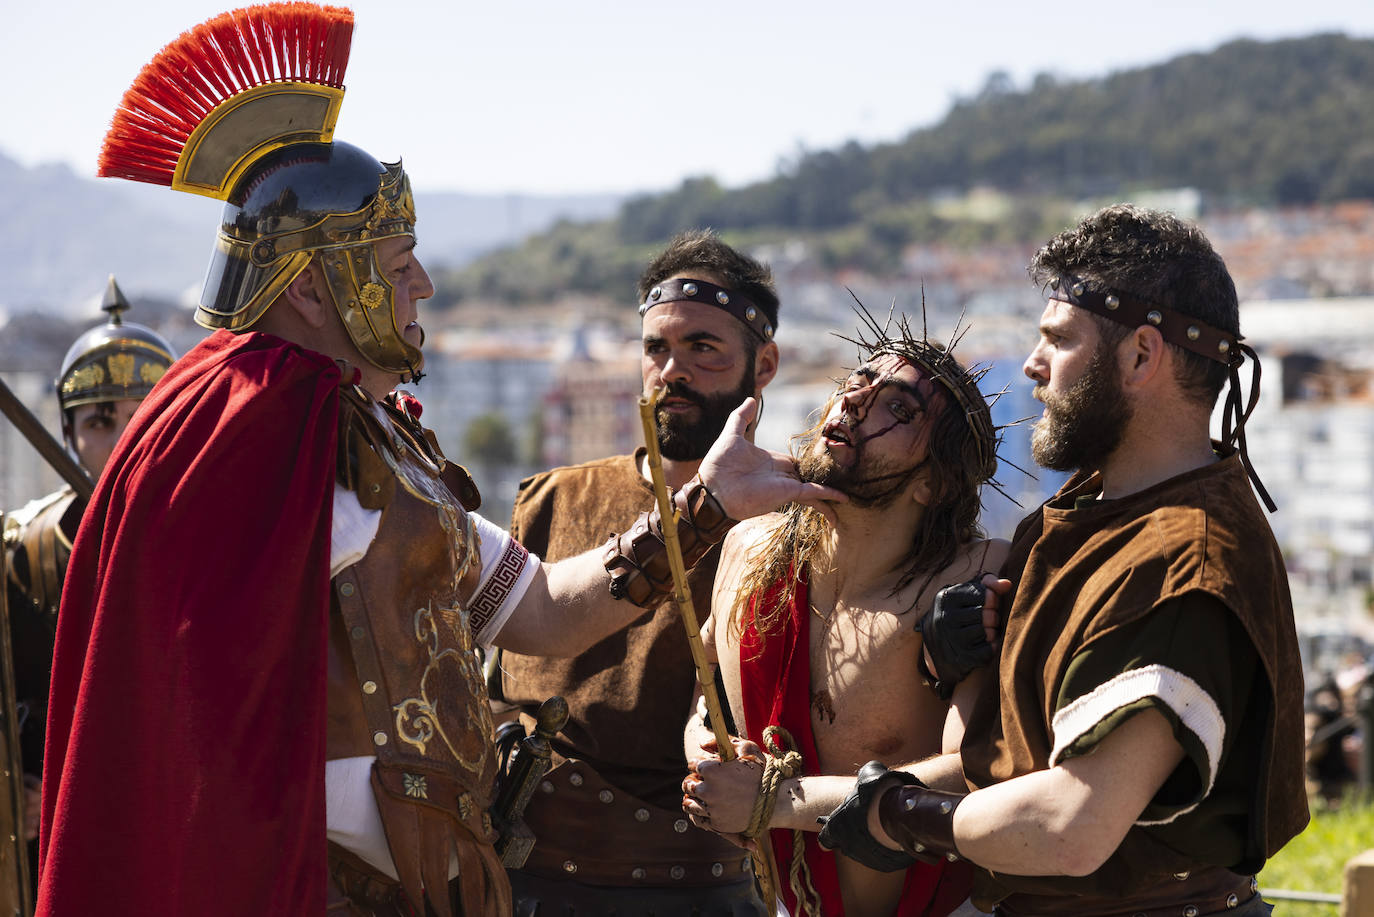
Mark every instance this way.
x=592 y=832
x=1211 y=891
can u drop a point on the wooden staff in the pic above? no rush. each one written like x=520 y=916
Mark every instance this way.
x=765 y=870
x=682 y=593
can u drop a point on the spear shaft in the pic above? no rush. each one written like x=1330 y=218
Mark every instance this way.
x=48 y=447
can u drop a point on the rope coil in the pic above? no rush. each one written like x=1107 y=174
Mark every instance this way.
x=783 y=761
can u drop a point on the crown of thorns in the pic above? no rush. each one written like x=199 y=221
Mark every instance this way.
x=894 y=336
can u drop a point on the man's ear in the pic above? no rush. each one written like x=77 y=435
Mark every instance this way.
x=1142 y=356
x=922 y=492
x=765 y=365
x=306 y=294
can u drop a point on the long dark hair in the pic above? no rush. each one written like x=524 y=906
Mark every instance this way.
x=957 y=458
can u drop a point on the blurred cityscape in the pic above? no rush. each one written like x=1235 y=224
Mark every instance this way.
x=514 y=391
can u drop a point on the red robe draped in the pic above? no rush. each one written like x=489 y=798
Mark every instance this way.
x=185 y=744
x=775 y=677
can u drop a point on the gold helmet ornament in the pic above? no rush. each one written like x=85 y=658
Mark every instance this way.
x=242 y=108
x=112 y=361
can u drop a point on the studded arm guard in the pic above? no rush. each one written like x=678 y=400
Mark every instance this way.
x=846 y=828
x=921 y=820
x=638 y=560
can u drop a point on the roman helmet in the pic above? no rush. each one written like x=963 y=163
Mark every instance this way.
x=112 y=361
x=242 y=108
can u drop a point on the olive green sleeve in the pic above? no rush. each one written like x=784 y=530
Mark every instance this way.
x=1188 y=659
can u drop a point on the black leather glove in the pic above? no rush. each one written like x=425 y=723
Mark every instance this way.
x=846 y=829
x=954 y=634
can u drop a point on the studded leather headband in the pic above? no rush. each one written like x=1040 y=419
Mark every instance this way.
x=1175 y=327
x=709 y=294
x=1192 y=335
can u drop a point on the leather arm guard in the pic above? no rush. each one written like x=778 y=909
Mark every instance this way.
x=638 y=560
x=846 y=828
x=953 y=635
x=921 y=820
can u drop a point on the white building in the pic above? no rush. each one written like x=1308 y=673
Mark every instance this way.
x=1312 y=442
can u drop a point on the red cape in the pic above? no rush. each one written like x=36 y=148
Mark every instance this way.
x=775 y=684
x=185 y=746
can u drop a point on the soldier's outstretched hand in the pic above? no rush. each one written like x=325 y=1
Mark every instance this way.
x=749 y=480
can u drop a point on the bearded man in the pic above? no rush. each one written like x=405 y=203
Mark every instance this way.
x=1145 y=751
x=816 y=627
x=612 y=837
x=266 y=696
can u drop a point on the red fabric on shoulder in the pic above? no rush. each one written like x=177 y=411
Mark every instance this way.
x=775 y=687
x=185 y=745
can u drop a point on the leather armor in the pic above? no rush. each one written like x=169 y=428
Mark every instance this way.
x=405 y=683
x=39 y=541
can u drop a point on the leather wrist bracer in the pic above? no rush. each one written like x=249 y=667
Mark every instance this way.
x=638 y=560
x=846 y=828
x=921 y=820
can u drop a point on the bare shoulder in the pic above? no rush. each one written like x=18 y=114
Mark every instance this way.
x=973 y=560
x=984 y=555
x=744 y=540
x=738 y=552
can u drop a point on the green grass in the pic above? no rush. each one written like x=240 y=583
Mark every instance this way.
x=1314 y=861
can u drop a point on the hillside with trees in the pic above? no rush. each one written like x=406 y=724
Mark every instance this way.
x=1251 y=123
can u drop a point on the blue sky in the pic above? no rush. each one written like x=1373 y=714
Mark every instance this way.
x=623 y=95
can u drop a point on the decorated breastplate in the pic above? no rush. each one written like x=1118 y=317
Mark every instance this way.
x=423 y=700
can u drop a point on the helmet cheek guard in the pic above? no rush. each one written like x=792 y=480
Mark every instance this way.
x=366 y=302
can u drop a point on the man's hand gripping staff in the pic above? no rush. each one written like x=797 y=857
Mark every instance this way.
x=648 y=563
x=736 y=480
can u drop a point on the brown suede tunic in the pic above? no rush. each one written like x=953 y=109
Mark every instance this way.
x=1087 y=573
x=629 y=698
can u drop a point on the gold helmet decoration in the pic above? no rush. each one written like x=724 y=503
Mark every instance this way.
x=242 y=108
x=112 y=361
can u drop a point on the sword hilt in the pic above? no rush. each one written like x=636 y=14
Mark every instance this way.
x=529 y=763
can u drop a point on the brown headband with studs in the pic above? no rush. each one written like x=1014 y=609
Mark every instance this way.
x=1192 y=335
x=1175 y=327
x=711 y=295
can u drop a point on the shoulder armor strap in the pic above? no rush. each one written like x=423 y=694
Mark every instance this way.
x=366 y=456
x=455 y=477
x=460 y=483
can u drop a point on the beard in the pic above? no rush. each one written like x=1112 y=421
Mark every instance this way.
x=870 y=483
x=1084 y=425
x=683 y=440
